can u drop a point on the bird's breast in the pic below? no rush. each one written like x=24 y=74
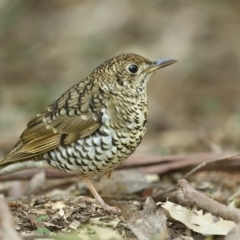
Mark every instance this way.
x=120 y=133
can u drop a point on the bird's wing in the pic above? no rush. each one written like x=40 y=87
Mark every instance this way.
x=70 y=117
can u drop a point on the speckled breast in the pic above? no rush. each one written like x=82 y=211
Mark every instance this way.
x=105 y=149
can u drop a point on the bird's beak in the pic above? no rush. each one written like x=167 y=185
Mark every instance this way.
x=159 y=63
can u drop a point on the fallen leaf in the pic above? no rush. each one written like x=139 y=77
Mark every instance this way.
x=149 y=223
x=206 y=224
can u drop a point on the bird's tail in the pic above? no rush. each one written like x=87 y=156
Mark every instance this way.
x=1 y=160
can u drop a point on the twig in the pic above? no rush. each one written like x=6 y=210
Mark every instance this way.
x=159 y=194
x=234 y=233
x=7 y=230
x=146 y=164
x=201 y=165
x=198 y=199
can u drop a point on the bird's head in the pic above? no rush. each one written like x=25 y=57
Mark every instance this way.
x=127 y=73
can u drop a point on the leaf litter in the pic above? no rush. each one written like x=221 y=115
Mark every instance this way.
x=61 y=213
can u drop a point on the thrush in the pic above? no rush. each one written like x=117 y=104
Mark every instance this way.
x=92 y=127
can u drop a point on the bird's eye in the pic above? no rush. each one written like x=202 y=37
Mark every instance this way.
x=132 y=68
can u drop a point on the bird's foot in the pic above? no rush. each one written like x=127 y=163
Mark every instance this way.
x=99 y=200
x=110 y=209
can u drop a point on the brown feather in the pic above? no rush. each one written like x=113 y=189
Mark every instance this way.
x=62 y=123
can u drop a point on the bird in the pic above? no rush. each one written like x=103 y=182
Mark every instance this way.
x=92 y=127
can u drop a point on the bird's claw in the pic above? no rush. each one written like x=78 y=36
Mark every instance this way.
x=111 y=210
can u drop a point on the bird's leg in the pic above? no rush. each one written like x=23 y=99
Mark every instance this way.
x=109 y=174
x=98 y=197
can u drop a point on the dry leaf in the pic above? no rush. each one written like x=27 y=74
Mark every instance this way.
x=149 y=223
x=206 y=224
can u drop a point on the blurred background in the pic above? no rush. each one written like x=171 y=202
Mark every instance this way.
x=194 y=105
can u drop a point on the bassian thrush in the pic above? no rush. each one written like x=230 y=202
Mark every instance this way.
x=94 y=126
